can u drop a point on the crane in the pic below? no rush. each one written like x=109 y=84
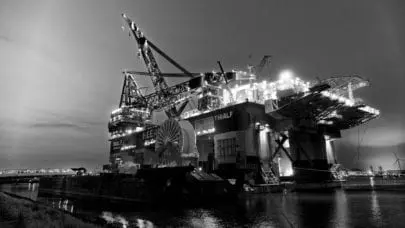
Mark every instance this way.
x=182 y=92
x=145 y=47
x=397 y=161
x=264 y=62
x=135 y=109
x=131 y=93
x=166 y=98
x=256 y=70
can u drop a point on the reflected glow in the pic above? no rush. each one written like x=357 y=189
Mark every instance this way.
x=341 y=99
x=329 y=152
x=286 y=144
x=149 y=142
x=204 y=219
x=289 y=172
x=370 y=110
x=285 y=165
x=204 y=132
x=110 y=218
x=116 y=111
x=325 y=122
x=128 y=147
x=340 y=209
x=264 y=149
x=341 y=217
x=141 y=223
x=375 y=208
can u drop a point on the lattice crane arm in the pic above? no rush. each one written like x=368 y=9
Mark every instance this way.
x=146 y=53
x=166 y=75
x=165 y=96
x=131 y=93
x=262 y=64
x=184 y=91
x=145 y=48
x=164 y=55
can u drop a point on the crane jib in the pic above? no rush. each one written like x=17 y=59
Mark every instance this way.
x=166 y=96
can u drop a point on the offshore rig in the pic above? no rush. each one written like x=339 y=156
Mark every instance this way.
x=238 y=124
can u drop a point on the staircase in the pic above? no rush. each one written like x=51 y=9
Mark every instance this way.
x=268 y=175
x=202 y=176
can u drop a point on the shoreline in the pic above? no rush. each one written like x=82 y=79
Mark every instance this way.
x=20 y=211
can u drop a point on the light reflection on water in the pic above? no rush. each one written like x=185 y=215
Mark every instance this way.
x=342 y=212
x=26 y=190
x=375 y=208
x=111 y=218
x=337 y=209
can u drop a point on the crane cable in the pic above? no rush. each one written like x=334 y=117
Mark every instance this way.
x=359 y=141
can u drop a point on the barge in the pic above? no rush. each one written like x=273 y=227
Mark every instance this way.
x=371 y=183
x=180 y=185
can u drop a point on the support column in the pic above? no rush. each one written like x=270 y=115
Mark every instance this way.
x=308 y=150
x=350 y=91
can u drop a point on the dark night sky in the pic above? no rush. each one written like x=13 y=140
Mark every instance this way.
x=60 y=64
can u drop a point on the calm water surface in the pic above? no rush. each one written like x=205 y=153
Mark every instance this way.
x=337 y=209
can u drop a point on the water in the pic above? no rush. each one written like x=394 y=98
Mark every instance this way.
x=337 y=209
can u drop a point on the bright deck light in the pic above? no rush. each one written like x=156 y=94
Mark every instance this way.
x=286 y=75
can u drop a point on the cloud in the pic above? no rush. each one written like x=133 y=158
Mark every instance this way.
x=352 y=157
x=5 y=38
x=77 y=119
x=381 y=136
x=94 y=123
x=3 y=146
x=56 y=125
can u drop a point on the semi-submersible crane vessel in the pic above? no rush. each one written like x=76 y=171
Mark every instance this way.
x=242 y=131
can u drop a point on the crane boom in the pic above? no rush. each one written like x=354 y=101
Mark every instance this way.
x=165 y=97
x=182 y=92
x=166 y=75
x=131 y=94
x=145 y=49
x=168 y=58
x=265 y=60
